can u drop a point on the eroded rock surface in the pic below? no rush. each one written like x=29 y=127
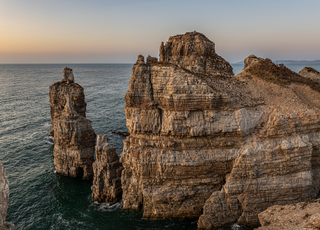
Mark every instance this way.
x=218 y=146
x=107 y=173
x=74 y=138
x=195 y=52
x=310 y=73
x=304 y=215
x=58 y=95
x=251 y=60
x=4 y=199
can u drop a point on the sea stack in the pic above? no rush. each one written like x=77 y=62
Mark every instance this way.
x=74 y=138
x=4 y=199
x=58 y=95
x=107 y=173
x=206 y=143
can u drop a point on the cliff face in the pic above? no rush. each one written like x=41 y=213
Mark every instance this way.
x=205 y=143
x=107 y=173
x=74 y=137
x=4 y=199
x=58 y=95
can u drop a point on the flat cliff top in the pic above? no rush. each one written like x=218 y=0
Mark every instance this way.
x=280 y=87
x=305 y=215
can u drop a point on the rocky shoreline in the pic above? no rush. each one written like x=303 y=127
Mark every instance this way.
x=202 y=142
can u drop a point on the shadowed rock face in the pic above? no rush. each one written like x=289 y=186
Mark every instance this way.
x=107 y=173
x=4 y=199
x=223 y=148
x=58 y=94
x=195 y=52
x=74 y=137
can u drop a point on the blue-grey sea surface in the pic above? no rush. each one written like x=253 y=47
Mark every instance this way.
x=40 y=198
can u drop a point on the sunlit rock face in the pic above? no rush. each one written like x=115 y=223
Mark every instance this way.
x=304 y=215
x=311 y=73
x=4 y=199
x=107 y=173
x=74 y=138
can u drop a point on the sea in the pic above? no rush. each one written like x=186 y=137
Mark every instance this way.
x=40 y=198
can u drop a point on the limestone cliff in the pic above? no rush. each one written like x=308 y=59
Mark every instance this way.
x=310 y=73
x=305 y=215
x=58 y=93
x=107 y=173
x=74 y=138
x=4 y=199
x=206 y=143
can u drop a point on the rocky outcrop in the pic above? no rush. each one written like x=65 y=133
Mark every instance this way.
x=107 y=173
x=305 y=215
x=58 y=94
x=214 y=145
x=195 y=52
x=74 y=138
x=4 y=199
x=311 y=73
x=251 y=60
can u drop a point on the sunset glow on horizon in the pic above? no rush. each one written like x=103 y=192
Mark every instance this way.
x=100 y=31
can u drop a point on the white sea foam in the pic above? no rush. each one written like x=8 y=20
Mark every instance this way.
x=107 y=207
x=49 y=140
x=47 y=125
x=235 y=227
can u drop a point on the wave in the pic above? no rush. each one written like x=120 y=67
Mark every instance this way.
x=107 y=207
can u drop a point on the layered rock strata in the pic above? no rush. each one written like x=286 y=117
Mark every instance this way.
x=58 y=94
x=304 y=215
x=4 y=199
x=74 y=138
x=310 y=73
x=222 y=147
x=107 y=173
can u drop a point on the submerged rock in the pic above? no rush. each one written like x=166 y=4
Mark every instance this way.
x=74 y=138
x=4 y=199
x=304 y=215
x=107 y=173
x=311 y=73
x=206 y=143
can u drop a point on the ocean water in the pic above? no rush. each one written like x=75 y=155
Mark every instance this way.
x=40 y=198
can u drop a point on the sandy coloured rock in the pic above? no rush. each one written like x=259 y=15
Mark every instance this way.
x=107 y=173
x=206 y=143
x=4 y=199
x=310 y=73
x=58 y=95
x=304 y=215
x=251 y=60
x=74 y=138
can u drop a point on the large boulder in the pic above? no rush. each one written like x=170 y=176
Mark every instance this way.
x=311 y=73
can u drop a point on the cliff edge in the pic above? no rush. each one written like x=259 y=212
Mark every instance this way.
x=205 y=143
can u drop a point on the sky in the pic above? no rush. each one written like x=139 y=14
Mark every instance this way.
x=117 y=31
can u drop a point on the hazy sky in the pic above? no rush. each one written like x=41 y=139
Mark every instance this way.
x=116 y=31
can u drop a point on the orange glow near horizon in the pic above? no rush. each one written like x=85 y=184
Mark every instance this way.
x=117 y=31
